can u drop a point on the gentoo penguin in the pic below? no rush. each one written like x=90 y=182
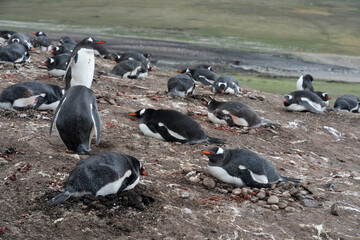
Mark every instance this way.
x=130 y=69
x=181 y=85
x=226 y=84
x=80 y=70
x=101 y=50
x=146 y=54
x=20 y=38
x=172 y=126
x=201 y=75
x=347 y=102
x=77 y=119
x=42 y=41
x=66 y=39
x=15 y=53
x=324 y=96
x=303 y=101
x=206 y=66
x=242 y=167
x=233 y=113
x=132 y=55
x=31 y=95
x=305 y=83
x=64 y=48
x=101 y=174
x=57 y=65
x=5 y=35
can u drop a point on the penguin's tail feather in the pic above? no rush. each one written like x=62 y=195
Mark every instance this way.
x=216 y=140
x=59 y=199
x=289 y=179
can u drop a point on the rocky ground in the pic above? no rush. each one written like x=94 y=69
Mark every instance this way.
x=179 y=199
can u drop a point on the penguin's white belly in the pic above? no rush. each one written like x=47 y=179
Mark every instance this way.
x=6 y=105
x=214 y=119
x=224 y=176
x=24 y=102
x=113 y=187
x=230 y=90
x=299 y=84
x=57 y=72
x=83 y=70
x=131 y=186
x=51 y=106
x=296 y=107
x=144 y=128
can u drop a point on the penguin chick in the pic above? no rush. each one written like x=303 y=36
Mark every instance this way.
x=305 y=83
x=242 y=167
x=226 y=84
x=303 y=101
x=101 y=174
x=172 y=126
x=77 y=119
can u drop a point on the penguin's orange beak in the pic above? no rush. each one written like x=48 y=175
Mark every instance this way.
x=213 y=71
x=33 y=33
x=113 y=59
x=152 y=70
x=143 y=173
x=32 y=49
x=43 y=64
x=101 y=42
x=284 y=100
x=180 y=71
x=204 y=103
x=329 y=98
x=206 y=152
x=51 y=51
x=132 y=114
x=222 y=91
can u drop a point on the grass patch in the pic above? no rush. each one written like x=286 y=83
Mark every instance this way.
x=283 y=86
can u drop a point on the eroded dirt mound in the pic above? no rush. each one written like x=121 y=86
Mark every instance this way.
x=179 y=199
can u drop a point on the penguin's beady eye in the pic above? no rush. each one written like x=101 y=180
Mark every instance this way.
x=142 y=111
x=220 y=151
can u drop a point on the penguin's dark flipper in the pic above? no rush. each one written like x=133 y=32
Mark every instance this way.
x=163 y=131
x=311 y=108
x=59 y=199
x=245 y=175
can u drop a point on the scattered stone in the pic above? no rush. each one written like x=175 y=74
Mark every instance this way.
x=252 y=132
x=285 y=194
x=236 y=191
x=331 y=187
x=267 y=206
x=274 y=207
x=261 y=195
x=273 y=200
x=310 y=203
x=291 y=200
x=334 y=209
x=255 y=189
x=220 y=190
x=209 y=183
x=293 y=191
x=254 y=199
x=187 y=169
x=282 y=205
x=303 y=192
x=244 y=191
x=194 y=179
x=3 y=161
x=185 y=194
x=268 y=192
x=289 y=209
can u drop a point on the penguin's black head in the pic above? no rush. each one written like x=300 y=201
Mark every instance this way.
x=287 y=100
x=215 y=154
x=89 y=41
x=48 y=62
x=141 y=113
x=38 y=34
x=309 y=77
x=187 y=70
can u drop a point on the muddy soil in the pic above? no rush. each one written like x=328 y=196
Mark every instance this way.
x=179 y=199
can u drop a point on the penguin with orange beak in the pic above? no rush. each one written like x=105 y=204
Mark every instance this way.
x=226 y=84
x=41 y=41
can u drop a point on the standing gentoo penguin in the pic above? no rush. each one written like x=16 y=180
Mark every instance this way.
x=201 y=75
x=64 y=48
x=226 y=84
x=305 y=83
x=80 y=70
x=101 y=174
x=347 y=102
x=66 y=39
x=31 y=95
x=57 y=65
x=181 y=85
x=242 y=167
x=324 y=96
x=130 y=69
x=77 y=119
x=42 y=41
x=303 y=101
x=172 y=126
x=233 y=113
x=15 y=53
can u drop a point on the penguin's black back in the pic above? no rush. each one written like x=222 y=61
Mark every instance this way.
x=13 y=52
x=60 y=61
x=347 y=102
x=180 y=83
x=297 y=95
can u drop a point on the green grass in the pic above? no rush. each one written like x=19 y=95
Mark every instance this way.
x=326 y=26
x=283 y=86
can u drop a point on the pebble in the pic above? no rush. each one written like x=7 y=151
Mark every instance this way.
x=274 y=207
x=220 y=190
x=285 y=194
x=254 y=199
x=252 y=132
x=261 y=195
x=289 y=209
x=185 y=194
x=273 y=200
x=282 y=205
x=303 y=192
x=267 y=206
x=187 y=169
x=334 y=209
x=291 y=200
x=310 y=203
x=331 y=187
x=236 y=191
x=209 y=183
x=194 y=179
x=293 y=191
x=262 y=202
x=244 y=191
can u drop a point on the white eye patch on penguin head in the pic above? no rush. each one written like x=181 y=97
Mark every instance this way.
x=287 y=98
x=89 y=39
x=51 y=60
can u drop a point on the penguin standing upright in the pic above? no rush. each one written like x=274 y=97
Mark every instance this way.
x=42 y=41
x=80 y=70
x=77 y=119
x=233 y=113
x=347 y=102
x=305 y=83
x=31 y=95
x=172 y=126
x=56 y=65
x=201 y=75
x=226 y=84
x=242 y=167
x=181 y=85
x=303 y=101
x=101 y=174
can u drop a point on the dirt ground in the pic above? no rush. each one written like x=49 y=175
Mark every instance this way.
x=178 y=199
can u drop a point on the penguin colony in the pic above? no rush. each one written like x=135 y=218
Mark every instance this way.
x=77 y=120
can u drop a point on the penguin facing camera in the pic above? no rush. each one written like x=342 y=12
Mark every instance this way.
x=226 y=84
x=101 y=174
x=172 y=126
x=243 y=167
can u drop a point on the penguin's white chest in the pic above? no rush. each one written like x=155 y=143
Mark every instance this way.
x=296 y=107
x=224 y=176
x=145 y=129
x=113 y=187
x=214 y=119
x=82 y=70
